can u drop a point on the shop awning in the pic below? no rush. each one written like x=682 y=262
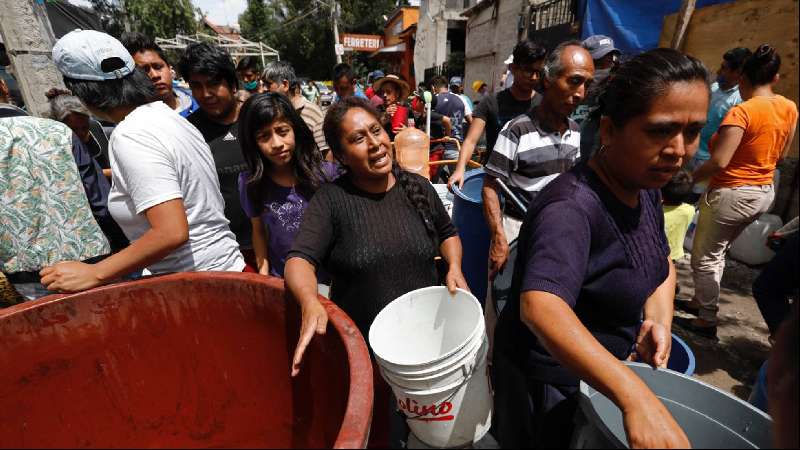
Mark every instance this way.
x=398 y=48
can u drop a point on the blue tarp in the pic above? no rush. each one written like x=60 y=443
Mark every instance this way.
x=635 y=25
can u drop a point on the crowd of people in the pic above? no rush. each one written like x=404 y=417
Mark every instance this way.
x=591 y=163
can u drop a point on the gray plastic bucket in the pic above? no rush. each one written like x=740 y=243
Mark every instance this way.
x=711 y=418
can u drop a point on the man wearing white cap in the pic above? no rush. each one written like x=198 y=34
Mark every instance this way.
x=165 y=192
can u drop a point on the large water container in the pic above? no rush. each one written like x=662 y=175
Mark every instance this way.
x=710 y=417
x=751 y=246
x=473 y=231
x=191 y=360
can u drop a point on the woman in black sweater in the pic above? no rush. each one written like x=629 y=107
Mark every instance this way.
x=376 y=230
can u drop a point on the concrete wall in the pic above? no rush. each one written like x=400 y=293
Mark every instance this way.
x=491 y=36
x=29 y=39
x=431 y=46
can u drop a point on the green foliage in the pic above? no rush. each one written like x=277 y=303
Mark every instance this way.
x=111 y=16
x=159 y=18
x=154 y=18
x=302 y=33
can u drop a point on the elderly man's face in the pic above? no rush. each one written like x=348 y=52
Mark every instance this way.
x=568 y=89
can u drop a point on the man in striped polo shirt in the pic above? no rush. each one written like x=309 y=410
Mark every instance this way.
x=536 y=147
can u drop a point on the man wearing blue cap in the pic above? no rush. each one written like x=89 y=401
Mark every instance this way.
x=606 y=60
x=457 y=87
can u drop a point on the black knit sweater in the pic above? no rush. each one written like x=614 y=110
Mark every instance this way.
x=374 y=246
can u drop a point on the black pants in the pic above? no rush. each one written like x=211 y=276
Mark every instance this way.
x=776 y=283
x=530 y=413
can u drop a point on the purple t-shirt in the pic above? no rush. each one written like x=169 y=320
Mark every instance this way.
x=603 y=258
x=282 y=214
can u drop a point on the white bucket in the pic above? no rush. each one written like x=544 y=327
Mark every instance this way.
x=432 y=349
x=446 y=376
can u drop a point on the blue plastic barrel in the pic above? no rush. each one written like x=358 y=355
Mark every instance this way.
x=681 y=358
x=473 y=231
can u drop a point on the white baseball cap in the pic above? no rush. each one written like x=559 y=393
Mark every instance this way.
x=92 y=55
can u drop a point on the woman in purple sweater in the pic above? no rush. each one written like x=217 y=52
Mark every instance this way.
x=594 y=261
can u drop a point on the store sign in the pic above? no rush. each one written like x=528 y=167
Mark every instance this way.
x=362 y=42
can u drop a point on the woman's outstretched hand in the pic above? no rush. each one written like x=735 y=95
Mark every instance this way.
x=315 y=321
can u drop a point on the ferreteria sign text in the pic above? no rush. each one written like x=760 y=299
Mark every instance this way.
x=362 y=42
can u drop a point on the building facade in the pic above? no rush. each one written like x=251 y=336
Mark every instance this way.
x=441 y=32
x=494 y=27
x=399 y=36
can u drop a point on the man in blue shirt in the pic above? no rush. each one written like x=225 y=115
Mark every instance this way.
x=344 y=83
x=724 y=96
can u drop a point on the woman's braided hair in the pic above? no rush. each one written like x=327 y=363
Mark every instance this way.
x=412 y=185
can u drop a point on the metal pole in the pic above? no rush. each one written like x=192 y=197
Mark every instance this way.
x=335 y=16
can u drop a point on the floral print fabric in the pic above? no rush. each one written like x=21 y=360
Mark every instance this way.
x=44 y=215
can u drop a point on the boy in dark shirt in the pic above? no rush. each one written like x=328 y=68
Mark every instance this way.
x=494 y=111
x=211 y=75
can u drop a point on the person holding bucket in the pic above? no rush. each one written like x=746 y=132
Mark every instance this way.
x=594 y=261
x=376 y=230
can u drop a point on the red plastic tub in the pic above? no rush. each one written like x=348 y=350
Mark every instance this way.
x=184 y=360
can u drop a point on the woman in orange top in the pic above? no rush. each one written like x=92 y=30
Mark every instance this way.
x=752 y=139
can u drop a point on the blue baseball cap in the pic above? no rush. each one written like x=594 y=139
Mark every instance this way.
x=377 y=75
x=599 y=46
x=93 y=56
x=456 y=81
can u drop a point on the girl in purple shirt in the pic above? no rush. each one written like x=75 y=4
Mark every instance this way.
x=285 y=168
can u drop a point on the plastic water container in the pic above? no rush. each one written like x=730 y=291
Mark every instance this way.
x=473 y=231
x=411 y=151
x=751 y=246
x=432 y=349
x=681 y=357
x=189 y=360
x=710 y=417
